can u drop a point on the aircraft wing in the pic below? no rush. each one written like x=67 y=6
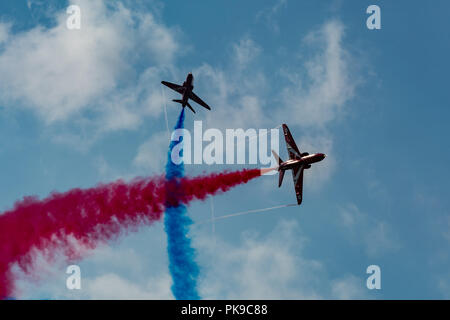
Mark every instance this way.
x=293 y=151
x=297 y=174
x=173 y=86
x=195 y=98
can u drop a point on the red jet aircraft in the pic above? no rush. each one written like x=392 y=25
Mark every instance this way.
x=186 y=91
x=297 y=163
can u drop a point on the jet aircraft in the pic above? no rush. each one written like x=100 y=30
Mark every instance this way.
x=297 y=163
x=186 y=91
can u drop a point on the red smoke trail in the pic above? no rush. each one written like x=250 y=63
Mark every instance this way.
x=96 y=215
x=198 y=188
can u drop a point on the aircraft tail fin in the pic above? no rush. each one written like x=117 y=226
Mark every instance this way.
x=177 y=100
x=280 y=178
x=277 y=157
x=281 y=172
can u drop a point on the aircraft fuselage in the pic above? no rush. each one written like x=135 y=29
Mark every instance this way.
x=297 y=162
x=187 y=93
x=188 y=87
x=305 y=160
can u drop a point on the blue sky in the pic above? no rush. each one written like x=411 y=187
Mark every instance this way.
x=82 y=107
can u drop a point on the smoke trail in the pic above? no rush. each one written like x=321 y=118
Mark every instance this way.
x=252 y=211
x=183 y=268
x=89 y=217
x=198 y=188
x=86 y=218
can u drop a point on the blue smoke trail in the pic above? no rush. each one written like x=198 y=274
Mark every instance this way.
x=182 y=266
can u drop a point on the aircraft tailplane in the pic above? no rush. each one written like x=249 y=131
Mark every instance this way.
x=187 y=104
x=190 y=107
x=280 y=178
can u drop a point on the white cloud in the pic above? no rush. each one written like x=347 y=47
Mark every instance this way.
x=106 y=286
x=234 y=95
x=112 y=286
x=330 y=85
x=245 y=52
x=235 y=92
x=269 y=15
x=107 y=172
x=152 y=154
x=374 y=234
x=272 y=266
x=322 y=171
x=350 y=215
x=112 y=274
x=317 y=93
x=260 y=266
x=380 y=239
x=348 y=288
x=4 y=32
x=90 y=75
x=45 y=263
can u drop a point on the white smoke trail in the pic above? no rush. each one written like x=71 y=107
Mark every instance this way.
x=246 y=212
x=165 y=111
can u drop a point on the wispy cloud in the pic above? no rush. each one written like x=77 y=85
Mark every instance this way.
x=270 y=14
x=374 y=234
x=151 y=154
x=103 y=77
x=273 y=266
x=269 y=267
x=349 y=287
x=238 y=91
x=320 y=98
x=113 y=284
x=4 y=32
